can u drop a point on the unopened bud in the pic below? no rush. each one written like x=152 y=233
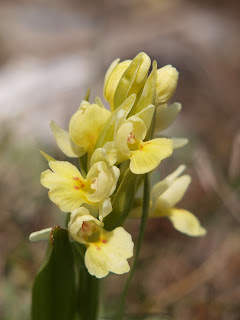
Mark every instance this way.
x=167 y=79
x=112 y=78
x=142 y=73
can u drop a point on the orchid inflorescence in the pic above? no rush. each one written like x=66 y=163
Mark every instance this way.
x=116 y=148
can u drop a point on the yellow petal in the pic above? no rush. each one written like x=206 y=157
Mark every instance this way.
x=185 y=222
x=142 y=73
x=66 y=185
x=150 y=154
x=146 y=115
x=77 y=218
x=179 y=142
x=110 y=254
x=98 y=155
x=174 y=193
x=105 y=207
x=158 y=189
x=129 y=134
x=175 y=174
x=165 y=117
x=108 y=73
x=107 y=132
x=122 y=137
x=104 y=181
x=111 y=152
x=85 y=125
x=139 y=128
x=112 y=78
x=64 y=142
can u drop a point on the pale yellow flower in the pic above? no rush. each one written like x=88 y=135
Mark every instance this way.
x=84 y=128
x=164 y=196
x=128 y=143
x=106 y=251
x=69 y=190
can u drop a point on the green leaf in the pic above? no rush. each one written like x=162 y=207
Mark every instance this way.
x=88 y=300
x=53 y=294
x=88 y=287
x=122 y=201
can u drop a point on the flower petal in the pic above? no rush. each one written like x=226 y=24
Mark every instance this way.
x=122 y=137
x=175 y=174
x=111 y=152
x=185 y=222
x=77 y=218
x=65 y=183
x=64 y=142
x=108 y=73
x=134 y=127
x=146 y=115
x=105 y=180
x=150 y=154
x=174 y=193
x=111 y=254
x=160 y=187
x=105 y=207
x=107 y=132
x=85 y=125
x=179 y=142
x=112 y=78
x=165 y=117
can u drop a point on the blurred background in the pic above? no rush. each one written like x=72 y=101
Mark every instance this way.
x=50 y=53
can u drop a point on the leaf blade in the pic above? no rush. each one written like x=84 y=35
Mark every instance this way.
x=49 y=299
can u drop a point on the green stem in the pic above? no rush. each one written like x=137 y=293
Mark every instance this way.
x=145 y=210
